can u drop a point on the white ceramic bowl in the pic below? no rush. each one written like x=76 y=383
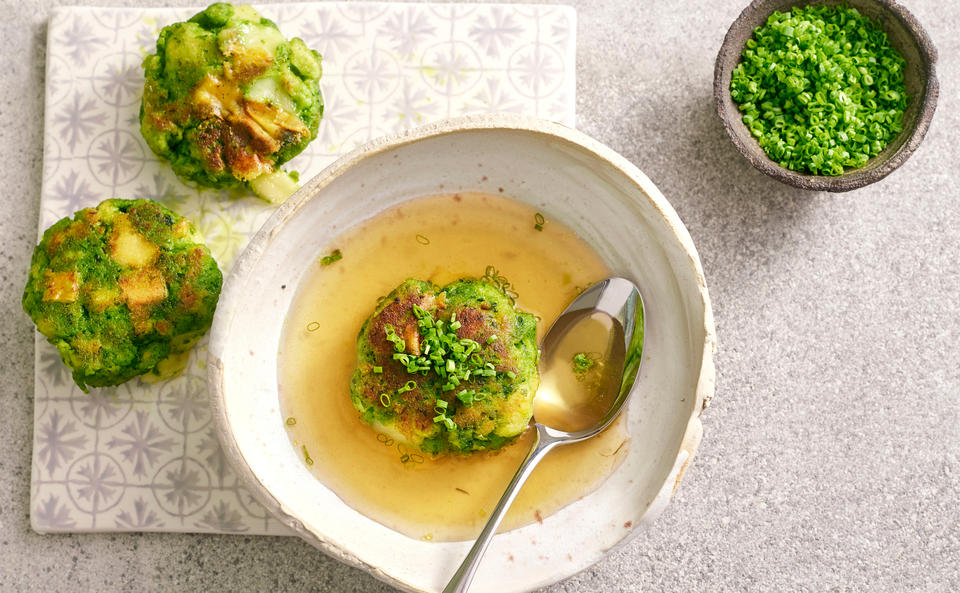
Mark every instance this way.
x=593 y=190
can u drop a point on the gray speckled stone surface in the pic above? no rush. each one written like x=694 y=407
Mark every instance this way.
x=831 y=454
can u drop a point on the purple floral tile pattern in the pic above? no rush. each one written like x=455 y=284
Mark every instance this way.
x=145 y=456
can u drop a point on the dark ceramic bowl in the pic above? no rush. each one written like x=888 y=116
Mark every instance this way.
x=920 y=78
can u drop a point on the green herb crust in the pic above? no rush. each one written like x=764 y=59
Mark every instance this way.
x=450 y=369
x=120 y=288
x=821 y=89
x=228 y=99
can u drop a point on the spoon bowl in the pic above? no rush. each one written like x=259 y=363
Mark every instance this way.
x=616 y=306
x=612 y=313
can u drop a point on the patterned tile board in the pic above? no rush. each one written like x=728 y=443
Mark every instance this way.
x=144 y=457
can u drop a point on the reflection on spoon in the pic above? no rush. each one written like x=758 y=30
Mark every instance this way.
x=579 y=396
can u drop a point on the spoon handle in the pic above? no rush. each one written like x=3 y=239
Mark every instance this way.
x=464 y=575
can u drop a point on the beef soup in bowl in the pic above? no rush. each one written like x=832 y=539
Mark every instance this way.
x=541 y=211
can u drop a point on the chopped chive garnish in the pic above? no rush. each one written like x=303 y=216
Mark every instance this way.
x=538 y=221
x=583 y=363
x=821 y=89
x=313 y=326
x=333 y=256
x=306 y=456
x=423 y=240
x=492 y=276
x=291 y=421
x=398 y=344
x=460 y=365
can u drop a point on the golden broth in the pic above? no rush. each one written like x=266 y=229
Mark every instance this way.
x=440 y=239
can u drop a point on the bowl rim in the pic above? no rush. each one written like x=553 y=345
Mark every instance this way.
x=232 y=295
x=855 y=178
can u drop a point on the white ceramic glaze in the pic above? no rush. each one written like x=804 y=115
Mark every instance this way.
x=572 y=178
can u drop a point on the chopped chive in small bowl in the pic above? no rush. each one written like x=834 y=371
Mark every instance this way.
x=826 y=95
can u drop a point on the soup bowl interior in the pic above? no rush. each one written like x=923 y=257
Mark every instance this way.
x=568 y=177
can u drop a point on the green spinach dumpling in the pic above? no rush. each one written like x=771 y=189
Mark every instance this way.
x=228 y=99
x=450 y=369
x=121 y=290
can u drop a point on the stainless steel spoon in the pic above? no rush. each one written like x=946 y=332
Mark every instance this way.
x=616 y=304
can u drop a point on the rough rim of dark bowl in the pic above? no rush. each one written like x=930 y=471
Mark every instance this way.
x=729 y=57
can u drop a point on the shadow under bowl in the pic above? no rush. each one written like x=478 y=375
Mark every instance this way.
x=905 y=35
